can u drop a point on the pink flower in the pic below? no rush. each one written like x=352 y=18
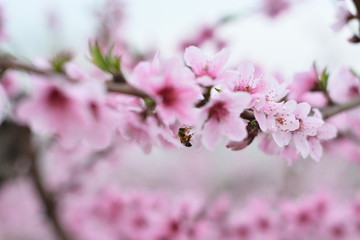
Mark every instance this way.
x=55 y=109
x=103 y=120
x=72 y=112
x=11 y=84
x=304 y=135
x=172 y=87
x=343 y=16
x=75 y=72
x=343 y=86
x=222 y=118
x=267 y=103
x=308 y=127
x=135 y=126
x=301 y=89
x=326 y=132
x=269 y=146
x=281 y=122
x=243 y=79
x=208 y=70
x=274 y=8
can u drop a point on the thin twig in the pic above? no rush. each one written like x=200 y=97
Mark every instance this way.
x=125 y=88
x=248 y=115
x=11 y=63
x=47 y=199
x=333 y=110
x=112 y=86
x=8 y=63
x=357 y=5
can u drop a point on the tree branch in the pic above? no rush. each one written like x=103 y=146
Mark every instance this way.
x=7 y=62
x=333 y=110
x=357 y=5
x=125 y=88
x=47 y=199
x=118 y=85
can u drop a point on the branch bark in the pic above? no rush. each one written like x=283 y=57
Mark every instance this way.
x=357 y=5
x=47 y=199
x=11 y=63
x=118 y=85
x=125 y=88
x=333 y=110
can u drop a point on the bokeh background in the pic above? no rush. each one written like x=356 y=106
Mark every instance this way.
x=287 y=44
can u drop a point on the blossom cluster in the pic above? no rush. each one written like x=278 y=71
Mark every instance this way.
x=201 y=103
x=72 y=116
x=111 y=213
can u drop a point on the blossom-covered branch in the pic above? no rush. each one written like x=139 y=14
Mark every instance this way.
x=204 y=98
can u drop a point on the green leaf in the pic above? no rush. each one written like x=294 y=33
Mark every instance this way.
x=150 y=103
x=353 y=71
x=59 y=61
x=107 y=62
x=323 y=80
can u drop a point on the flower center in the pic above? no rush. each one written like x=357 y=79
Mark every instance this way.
x=56 y=98
x=281 y=120
x=353 y=91
x=168 y=95
x=95 y=111
x=218 y=111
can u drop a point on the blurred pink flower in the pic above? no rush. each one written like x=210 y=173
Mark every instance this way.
x=343 y=16
x=343 y=86
x=243 y=79
x=274 y=8
x=301 y=89
x=222 y=118
x=172 y=87
x=208 y=70
x=55 y=109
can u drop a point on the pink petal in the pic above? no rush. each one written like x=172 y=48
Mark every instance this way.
x=246 y=72
x=310 y=125
x=316 y=149
x=302 y=144
x=237 y=102
x=302 y=110
x=327 y=132
x=282 y=138
x=218 y=62
x=261 y=119
x=195 y=59
x=211 y=135
x=235 y=129
x=141 y=75
x=289 y=106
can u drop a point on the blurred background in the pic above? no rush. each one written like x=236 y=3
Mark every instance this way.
x=288 y=43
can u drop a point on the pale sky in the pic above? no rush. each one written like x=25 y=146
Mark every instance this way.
x=289 y=43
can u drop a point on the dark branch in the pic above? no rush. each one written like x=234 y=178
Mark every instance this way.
x=7 y=62
x=333 y=110
x=125 y=88
x=47 y=199
x=248 y=115
x=118 y=84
